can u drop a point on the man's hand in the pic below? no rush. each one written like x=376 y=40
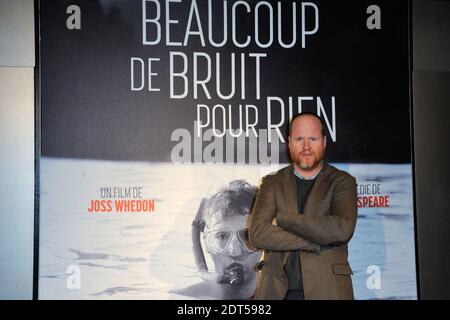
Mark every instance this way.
x=282 y=220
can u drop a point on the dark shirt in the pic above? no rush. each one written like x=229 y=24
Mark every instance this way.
x=293 y=265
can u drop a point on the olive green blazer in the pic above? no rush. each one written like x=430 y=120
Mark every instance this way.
x=321 y=233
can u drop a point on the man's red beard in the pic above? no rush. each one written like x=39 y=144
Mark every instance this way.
x=308 y=164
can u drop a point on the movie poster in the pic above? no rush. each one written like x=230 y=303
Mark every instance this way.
x=160 y=118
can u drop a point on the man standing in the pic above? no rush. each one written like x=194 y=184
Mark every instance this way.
x=303 y=218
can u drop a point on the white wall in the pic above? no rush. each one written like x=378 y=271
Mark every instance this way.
x=17 y=33
x=17 y=61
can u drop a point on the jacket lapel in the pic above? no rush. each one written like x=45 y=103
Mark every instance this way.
x=290 y=189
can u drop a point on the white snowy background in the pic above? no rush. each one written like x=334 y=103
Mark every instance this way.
x=145 y=255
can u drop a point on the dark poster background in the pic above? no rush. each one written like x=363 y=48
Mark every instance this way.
x=89 y=111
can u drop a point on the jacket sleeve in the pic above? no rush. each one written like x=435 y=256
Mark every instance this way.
x=265 y=235
x=332 y=230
